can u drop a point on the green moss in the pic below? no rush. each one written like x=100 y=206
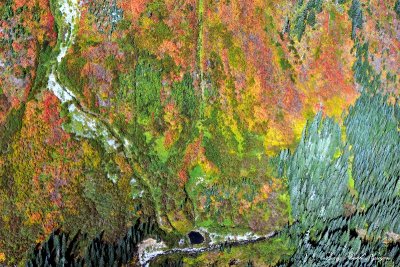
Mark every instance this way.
x=228 y=222
x=160 y=149
x=207 y=223
x=148 y=86
x=46 y=60
x=196 y=172
x=69 y=73
x=236 y=57
x=338 y=153
x=285 y=199
x=219 y=32
x=184 y=95
x=351 y=182
x=267 y=252
x=11 y=126
x=148 y=135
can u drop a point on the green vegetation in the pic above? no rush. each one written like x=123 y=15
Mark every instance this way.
x=310 y=169
x=185 y=113
x=271 y=251
x=184 y=95
x=356 y=15
x=61 y=249
x=10 y=128
x=305 y=15
x=364 y=73
x=330 y=220
x=148 y=85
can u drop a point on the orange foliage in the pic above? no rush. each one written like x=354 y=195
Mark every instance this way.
x=45 y=162
x=326 y=73
x=173 y=121
x=381 y=31
x=134 y=7
x=2 y=257
x=51 y=116
x=123 y=164
x=17 y=80
x=194 y=152
x=21 y=3
x=35 y=217
x=181 y=19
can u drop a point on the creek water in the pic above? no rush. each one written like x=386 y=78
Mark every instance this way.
x=149 y=249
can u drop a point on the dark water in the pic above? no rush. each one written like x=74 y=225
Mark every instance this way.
x=195 y=238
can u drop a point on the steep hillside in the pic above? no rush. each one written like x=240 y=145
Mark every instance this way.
x=198 y=115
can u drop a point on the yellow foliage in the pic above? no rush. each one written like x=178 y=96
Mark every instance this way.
x=265 y=191
x=123 y=164
x=2 y=257
x=180 y=222
x=228 y=121
x=335 y=106
x=298 y=126
x=274 y=140
x=91 y=156
x=34 y=218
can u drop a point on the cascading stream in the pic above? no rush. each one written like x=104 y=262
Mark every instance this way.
x=95 y=128
x=92 y=127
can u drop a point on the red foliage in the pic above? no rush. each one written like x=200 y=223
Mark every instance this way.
x=51 y=115
x=134 y=7
x=48 y=25
x=194 y=152
x=21 y=3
